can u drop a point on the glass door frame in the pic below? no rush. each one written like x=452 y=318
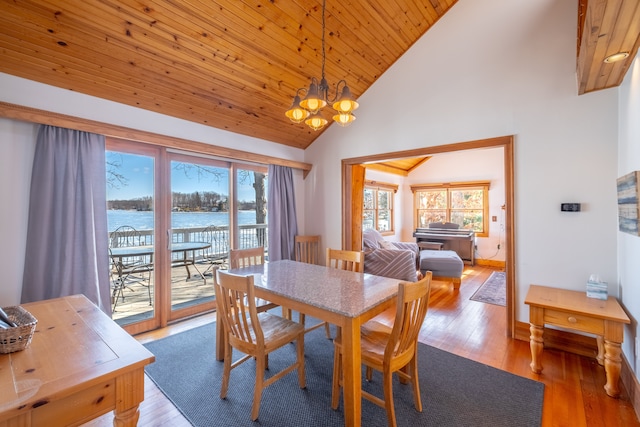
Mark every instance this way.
x=171 y=156
x=161 y=260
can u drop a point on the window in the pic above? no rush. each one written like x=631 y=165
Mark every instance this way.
x=464 y=203
x=378 y=206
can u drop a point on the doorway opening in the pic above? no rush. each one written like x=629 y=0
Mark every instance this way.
x=352 y=189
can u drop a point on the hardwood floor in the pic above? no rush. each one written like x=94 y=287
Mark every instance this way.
x=574 y=394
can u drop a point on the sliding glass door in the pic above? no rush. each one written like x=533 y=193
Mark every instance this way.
x=199 y=230
x=173 y=218
x=131 y=221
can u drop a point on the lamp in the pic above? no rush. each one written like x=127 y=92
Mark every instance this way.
x=317 y=97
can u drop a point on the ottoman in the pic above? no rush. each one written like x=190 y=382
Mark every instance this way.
x=444 y=265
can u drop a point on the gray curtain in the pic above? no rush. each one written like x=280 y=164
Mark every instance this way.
x=281 y=209
x=67 y=236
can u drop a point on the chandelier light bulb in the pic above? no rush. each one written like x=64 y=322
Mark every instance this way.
x=316 y=121
x=296 y=113
x=344 y=119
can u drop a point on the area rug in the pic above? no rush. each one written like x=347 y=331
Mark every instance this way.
x=493 y=290
x=455 y=391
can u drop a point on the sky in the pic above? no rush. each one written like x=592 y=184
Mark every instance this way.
x=138 y=173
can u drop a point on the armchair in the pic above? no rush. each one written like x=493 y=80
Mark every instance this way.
x=397 y=260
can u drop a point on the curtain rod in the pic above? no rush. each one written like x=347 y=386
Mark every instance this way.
x=34 y=115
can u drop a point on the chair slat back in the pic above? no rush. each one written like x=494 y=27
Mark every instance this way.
x=411 y=310
x=345 y=260
x=239 y=258
x=236 y=302
x=307 y=249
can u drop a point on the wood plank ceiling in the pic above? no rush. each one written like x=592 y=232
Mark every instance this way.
x=236 y=64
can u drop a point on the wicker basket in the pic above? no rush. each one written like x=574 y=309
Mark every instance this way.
x=19 y=337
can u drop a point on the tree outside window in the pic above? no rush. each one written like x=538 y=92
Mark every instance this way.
x=378 y=206
x=463 y=203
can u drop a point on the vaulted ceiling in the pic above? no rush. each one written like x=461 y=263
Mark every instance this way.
x=236 y=64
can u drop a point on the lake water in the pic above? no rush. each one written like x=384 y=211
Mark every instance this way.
x=144 y=220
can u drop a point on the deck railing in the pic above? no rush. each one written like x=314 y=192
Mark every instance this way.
x=250 y=236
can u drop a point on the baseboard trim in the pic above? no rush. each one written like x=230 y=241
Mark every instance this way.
x=585 y=346
x=631 y=384
x=490 y=263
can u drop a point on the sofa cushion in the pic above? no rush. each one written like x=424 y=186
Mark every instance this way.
x=371 y=239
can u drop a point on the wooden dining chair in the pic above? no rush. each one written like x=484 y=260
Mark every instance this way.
x=239 y=258
x=307 y=249
x=345 y=260
x=390 y=349
x=254 y=334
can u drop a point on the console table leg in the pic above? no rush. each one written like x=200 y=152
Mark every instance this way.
x=536 y=344
x=612 y=366
x=600 y=356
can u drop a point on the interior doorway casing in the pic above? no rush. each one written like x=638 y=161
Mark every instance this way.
x=352 y=189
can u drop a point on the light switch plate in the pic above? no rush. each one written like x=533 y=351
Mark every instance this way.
x=570 y=207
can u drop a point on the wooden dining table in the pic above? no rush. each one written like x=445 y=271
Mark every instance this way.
x=343 y=298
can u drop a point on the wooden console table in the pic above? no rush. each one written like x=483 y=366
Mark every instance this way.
x=574 y=310
x=80 y=365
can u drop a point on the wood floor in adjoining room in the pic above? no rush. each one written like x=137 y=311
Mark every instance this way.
x=574 y=393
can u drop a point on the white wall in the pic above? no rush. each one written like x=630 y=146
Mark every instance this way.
x=628 y=245
x=491 y=68
x=17 y=144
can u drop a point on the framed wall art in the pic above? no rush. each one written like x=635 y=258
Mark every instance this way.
x=628 y=203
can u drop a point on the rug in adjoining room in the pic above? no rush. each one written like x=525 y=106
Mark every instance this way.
x=493 y=290
x=455 y=391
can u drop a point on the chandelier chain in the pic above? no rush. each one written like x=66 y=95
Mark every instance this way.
x=324 y=3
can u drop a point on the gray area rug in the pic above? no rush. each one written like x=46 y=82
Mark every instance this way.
x=455 y=391
x=493 y=290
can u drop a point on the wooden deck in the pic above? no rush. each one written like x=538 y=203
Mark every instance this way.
x=185 y=291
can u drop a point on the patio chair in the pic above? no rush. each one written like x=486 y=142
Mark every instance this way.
x=254 y=334
x=391 y=349
x=217 y=254
x=128 y=268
